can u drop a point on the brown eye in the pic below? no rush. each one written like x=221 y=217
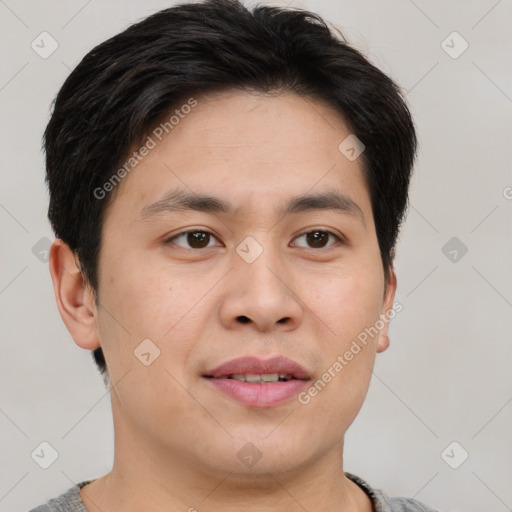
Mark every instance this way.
x=318 y=239
x=198 y=239
x=194 y=239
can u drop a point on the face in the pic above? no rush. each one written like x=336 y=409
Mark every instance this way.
x=251 y=274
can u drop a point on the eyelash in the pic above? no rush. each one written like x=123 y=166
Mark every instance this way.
x=182 y=233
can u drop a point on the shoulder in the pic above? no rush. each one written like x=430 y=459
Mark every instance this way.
x=69 y=501
x=408 y=505
x=383 y=503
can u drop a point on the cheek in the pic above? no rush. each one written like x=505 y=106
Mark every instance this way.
x=349 y=303
x=141 y=306
x=152 y=398
x=152 y=300
x=349 y=306
x=350 y=309
x=149 y=300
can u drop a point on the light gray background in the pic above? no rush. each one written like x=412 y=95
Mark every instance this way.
x=446 y=376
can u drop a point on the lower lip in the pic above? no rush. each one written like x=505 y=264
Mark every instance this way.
x=259 y=395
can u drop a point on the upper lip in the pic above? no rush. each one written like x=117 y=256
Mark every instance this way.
x=251 y=364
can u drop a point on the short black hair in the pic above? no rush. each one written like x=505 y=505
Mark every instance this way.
x=123 y=86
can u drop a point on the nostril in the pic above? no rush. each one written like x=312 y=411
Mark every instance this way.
x=243 y=319
x=283 y=320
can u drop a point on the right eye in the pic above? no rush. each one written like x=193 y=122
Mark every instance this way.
x=196 y=238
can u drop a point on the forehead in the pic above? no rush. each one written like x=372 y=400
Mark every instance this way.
x=251 y=147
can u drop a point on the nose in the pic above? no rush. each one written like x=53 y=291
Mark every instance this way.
x=261 y=296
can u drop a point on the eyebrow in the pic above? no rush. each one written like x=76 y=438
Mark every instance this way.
x=180 y=200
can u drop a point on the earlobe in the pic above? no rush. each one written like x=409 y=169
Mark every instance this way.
x=383 y=341
x=387 y=305
x=74 y=300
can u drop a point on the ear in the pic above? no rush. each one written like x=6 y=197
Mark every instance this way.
x=387 y=305
x=74 y=296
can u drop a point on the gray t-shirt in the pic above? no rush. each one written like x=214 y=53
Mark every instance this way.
x=71 y=501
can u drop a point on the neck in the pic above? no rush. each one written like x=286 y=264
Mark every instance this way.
x=146 y=477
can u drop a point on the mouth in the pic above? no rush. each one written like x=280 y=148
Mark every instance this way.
x=255 y=378
x=259 y=383
x=253 y=369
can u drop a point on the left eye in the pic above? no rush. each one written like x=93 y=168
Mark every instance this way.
x=318 y=238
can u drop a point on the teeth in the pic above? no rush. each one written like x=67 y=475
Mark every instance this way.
x=253 y=377
x=264 y=377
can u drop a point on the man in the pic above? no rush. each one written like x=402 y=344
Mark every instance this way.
x=226 y=189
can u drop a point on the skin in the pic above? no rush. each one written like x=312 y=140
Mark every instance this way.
x=176 y=438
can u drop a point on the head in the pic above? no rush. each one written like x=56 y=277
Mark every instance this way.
x=255 y=109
